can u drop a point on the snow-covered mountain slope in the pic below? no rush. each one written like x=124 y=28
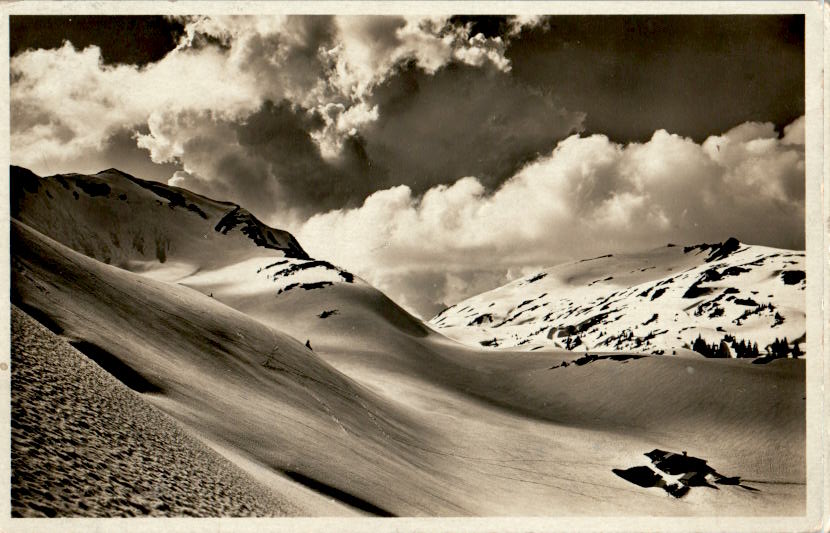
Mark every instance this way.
x=221 y=250
x=143 y=226
x=383 y=414
x=656 y=302
x=413 y=425
x=234 y=380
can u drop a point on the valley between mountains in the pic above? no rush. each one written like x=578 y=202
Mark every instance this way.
x=173 y=355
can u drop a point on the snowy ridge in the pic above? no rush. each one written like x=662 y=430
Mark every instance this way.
x=143 y=225
x=656 y=302
x=268 y=276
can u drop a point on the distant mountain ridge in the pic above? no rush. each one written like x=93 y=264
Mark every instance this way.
x=713 y=299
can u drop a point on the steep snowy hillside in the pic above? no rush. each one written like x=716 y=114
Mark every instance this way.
x=718 y=300
x=217 y=248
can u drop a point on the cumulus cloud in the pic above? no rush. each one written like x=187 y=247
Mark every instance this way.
x=66 y=102
x=588 y=196
x=309 y=81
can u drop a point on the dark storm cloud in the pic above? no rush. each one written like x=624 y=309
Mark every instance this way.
x=136 y=40
x=279 y=136
x=690 y=75
x=270 y=163
x=461 y=121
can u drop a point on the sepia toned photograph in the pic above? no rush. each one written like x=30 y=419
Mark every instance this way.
x=410 y=264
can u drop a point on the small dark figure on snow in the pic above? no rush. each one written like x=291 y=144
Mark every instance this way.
x=308 y=344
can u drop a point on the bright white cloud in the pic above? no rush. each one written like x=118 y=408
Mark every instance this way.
x=66 y=102
x=588 y=196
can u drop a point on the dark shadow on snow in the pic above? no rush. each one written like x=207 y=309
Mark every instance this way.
x=115 y=367
x=693 y=472
x=345 y=497
x=590 y=358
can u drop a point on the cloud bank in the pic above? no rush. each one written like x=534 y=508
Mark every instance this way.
x=589 y=196
x=289 y=115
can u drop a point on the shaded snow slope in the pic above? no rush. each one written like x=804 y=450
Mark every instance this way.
x=656 y=302
x=83 y=444
x=230 y=377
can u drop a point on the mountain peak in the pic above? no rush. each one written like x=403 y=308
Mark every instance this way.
x=154 y=220
x=114 y=170
x=718 y=250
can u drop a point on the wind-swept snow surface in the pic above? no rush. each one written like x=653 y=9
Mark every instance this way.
x=83 y=444
x=336 y=400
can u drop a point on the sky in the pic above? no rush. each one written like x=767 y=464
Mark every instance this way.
x=436 y=157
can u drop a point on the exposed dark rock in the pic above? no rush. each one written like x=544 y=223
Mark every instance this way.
x=696 y=291
x=590 y=358
x=60 y=179
x=724 y=250
x=261 y=234
x=315 y=285
x=477 y=321
x=658 y=293
x=717 y=250
x=316 y=263
x=595 y=258
x=735 y=271
x=746 y=301
x=288 y=288
x=272 y=265
x=710 y=275
x=792 y=277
